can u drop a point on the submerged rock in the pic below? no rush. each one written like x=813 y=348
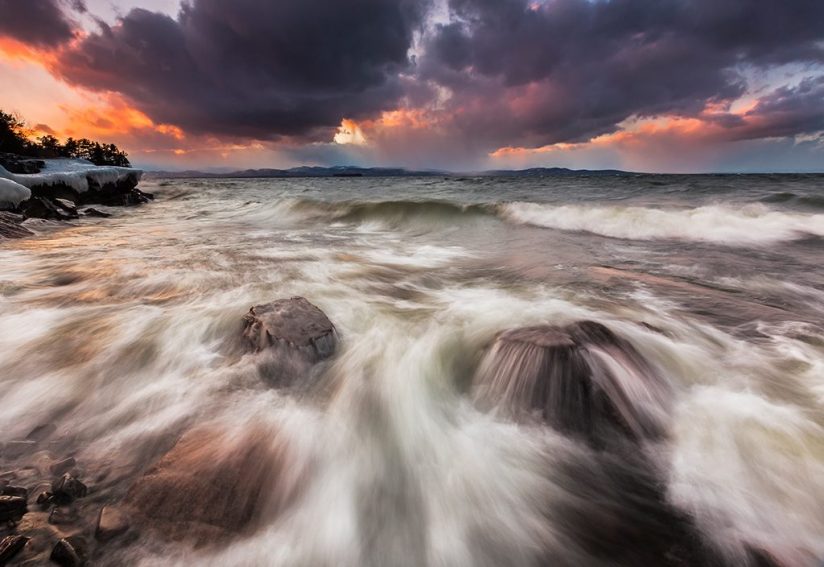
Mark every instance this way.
x=111 y=522
x=581 y=379
x=294 y=333
x=10 y=546
x=92 y=212
x=212 y=484
x=62 y=467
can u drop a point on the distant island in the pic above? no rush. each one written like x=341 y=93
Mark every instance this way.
x=354 y=171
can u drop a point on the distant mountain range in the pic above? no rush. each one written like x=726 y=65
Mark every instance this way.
x=352 y=171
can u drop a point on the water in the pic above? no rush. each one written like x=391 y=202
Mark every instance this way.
x=123 y=332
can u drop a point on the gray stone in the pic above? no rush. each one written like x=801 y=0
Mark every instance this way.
x=111 y=522
x=294 y=321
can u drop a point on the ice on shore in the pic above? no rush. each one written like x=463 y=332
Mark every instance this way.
x=11 y=192
x=74 y=173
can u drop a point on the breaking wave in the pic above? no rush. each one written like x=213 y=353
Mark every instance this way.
x=752 y=224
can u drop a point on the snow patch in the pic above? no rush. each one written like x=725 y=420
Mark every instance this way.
x=71 y=172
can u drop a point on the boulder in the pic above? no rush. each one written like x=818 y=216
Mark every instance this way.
x=67 y=489
x=10 y=546
x=581 y=379
x=294 y=333
x=212 y=484
x=69 y=552
x=111 y=522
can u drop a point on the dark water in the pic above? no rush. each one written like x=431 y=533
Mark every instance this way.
x=119 y=332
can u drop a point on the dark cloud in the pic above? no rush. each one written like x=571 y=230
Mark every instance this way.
x=568 y=70
x=518 y=72
x=41 y=23
x=254 y=68
x=787 y=111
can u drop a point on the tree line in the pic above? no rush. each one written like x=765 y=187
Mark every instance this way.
x=14 y=139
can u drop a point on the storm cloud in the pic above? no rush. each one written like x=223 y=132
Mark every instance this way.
x=41 y=23
x=253 y=67
x=569 y=70
x=490 y=74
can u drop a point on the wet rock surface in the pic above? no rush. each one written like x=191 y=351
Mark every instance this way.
x=111 y=522
x=582 y=379
x=10 y=226
x=292 y=335
x=69 y=552
x=10 y=546
x=211 y=485
x=294 y=321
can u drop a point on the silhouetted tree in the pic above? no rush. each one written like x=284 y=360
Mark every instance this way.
x=14 y=139
x=13 y=135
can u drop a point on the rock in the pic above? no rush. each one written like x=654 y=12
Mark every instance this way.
x=69 y=552
x=9 y=490
x=90 y=212
x=10 y=546
x=68 y=207
x=10 y=226
x=20 y=164
x=212 y=484
x=64 y=466
x=45 y=208
x=295 y=322
x=111 y=522
x=67 y=489
x=12 y=508
x=294 y=335
x=122 y=193
x=581 y=379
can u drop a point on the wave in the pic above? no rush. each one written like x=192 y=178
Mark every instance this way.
x=751 y=224
x=719 y=224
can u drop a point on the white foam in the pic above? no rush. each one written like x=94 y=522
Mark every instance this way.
x=719 y=224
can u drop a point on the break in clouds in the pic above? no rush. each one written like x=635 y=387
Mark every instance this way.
x=493 y=72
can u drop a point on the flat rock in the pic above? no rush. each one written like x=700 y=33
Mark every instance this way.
x=92 y=212
x=211 y=484
x=10 y=226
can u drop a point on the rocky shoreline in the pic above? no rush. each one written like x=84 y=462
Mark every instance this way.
x=61 y=190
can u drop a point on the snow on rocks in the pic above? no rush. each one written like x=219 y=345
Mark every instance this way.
x=77 y=174
x=11 y=192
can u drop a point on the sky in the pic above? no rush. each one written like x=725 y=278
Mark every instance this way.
x=461 y=85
